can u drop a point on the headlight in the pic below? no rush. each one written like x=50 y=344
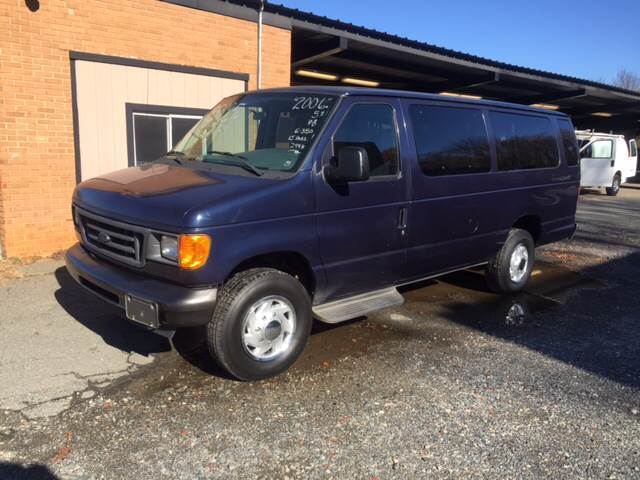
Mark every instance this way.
x=193 y=251
x=189 y=252
x=169 y=248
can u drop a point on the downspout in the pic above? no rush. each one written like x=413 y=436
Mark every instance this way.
x=260 y=44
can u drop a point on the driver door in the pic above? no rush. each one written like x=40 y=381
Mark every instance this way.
x=361 y=226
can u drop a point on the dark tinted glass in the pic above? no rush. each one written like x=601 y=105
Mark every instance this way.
x=450 y=140
x=569 y=143
x=524 y=141
x=180 y=127
x=150 y=137
x=372 y=127
x=634 y=148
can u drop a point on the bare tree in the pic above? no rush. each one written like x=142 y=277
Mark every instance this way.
x=627 y=79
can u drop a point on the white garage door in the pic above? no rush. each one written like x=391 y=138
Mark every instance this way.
x=131 y=114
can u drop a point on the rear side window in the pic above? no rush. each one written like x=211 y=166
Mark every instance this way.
x=569 y=143
x=524 y=141
x=634 y=148
x=449 y=140
x=371 y=126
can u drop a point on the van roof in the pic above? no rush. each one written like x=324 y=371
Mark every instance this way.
x=380 y=92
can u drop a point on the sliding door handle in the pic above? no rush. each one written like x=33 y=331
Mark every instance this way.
x=402 y=218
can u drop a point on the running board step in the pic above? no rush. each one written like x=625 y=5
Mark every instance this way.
x=358 y=305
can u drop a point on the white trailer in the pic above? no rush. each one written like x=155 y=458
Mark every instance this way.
x=606 y=160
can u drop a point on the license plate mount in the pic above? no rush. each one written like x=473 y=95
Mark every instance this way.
x=141 y=311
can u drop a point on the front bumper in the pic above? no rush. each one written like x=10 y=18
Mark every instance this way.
x=177 y=306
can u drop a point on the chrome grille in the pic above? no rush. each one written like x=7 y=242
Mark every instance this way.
x=114 y=239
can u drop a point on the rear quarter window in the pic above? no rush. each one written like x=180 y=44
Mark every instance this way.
x=524 y=141
x=569 y=142
x=450 y=141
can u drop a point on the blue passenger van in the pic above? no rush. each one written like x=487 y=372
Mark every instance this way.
x=288 y=204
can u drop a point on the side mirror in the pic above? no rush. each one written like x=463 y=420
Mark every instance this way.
x=351 y=165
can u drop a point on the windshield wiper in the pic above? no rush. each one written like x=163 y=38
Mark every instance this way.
x=240 y=162
x=174 y=154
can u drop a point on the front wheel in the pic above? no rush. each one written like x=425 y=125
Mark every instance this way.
x=510 y=269
x=260 y=324
x=613 y=190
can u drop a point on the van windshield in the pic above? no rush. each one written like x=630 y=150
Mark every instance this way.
x=258 y=132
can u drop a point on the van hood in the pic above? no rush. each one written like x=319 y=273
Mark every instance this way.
x=174 y=198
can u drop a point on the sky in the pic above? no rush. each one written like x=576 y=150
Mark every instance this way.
x=587 y=39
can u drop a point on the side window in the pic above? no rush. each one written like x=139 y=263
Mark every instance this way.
x=600 y=149
x=524 y=141
x=634 y=148
x=449 y=140
x=371 y=126
x=569 y=143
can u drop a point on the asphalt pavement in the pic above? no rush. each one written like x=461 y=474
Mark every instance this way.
x=456 y=383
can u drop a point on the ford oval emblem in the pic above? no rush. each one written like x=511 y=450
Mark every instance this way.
x=104 y=237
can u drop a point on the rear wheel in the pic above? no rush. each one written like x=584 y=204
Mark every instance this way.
x=260 y=325
x=510 y=269
x=613 y=190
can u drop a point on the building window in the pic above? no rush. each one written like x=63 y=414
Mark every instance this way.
x=524 y=141
x=154 y=130
x=450 y=141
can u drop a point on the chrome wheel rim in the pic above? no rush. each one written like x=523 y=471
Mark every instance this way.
x=268 y=327
x=519 y=263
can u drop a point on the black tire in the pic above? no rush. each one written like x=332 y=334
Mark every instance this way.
x=613 y=190
x=497 y=271
x=225 y=329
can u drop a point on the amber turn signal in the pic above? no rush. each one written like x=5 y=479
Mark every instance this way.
x=193 y=251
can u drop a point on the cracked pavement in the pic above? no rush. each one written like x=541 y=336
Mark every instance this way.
x=48 y=357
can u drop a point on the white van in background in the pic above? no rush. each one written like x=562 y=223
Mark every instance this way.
x=605 y=160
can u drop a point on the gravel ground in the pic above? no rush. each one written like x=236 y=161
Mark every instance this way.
x=455 y=383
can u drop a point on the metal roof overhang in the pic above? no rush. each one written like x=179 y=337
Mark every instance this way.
x=346 y=54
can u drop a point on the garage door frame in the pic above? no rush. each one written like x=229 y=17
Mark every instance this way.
x=132 y=62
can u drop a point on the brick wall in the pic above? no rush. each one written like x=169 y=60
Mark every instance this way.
x=37 y=164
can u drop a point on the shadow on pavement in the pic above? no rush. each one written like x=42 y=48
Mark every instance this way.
x=105 y=319
x=596 y=330
x=108 y=321
x=14 y=471
x=190 y=345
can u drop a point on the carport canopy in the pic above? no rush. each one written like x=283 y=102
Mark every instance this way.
x=326 y=51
